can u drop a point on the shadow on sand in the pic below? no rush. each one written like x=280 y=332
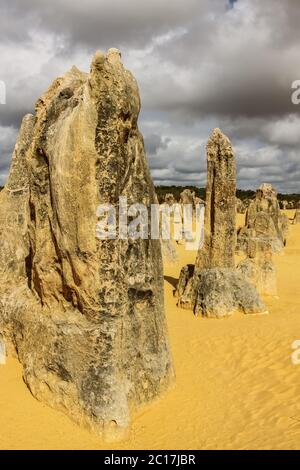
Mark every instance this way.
x=171 y=280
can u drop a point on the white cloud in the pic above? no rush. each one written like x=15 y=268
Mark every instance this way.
x=285 y=131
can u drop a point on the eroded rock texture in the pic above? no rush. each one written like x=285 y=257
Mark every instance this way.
x=265 y=233
x=85 y=316
x=240 y=206
x=187 y=197
x=168 y=250
x=297 y=214
x=264 y=222
x=213 y=287
x=170 y=199
x=297 y=217
x=259 y=269
x=198 y=201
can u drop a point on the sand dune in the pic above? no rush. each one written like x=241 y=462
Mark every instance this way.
x=236 y=386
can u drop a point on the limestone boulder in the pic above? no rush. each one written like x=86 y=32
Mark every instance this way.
x=222 y=292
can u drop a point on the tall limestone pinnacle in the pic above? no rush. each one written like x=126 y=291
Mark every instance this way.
x=213 y=287
x=220 y=209
x=85 y=316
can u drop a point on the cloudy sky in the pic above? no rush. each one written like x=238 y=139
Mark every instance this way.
x=200 y=64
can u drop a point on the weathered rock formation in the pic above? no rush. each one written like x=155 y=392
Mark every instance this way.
x=187 y=197
x=240 y=207
x=170 y=199
x=297 y=217
x=264 y=222
x=284 y=226
x=259 y=269
x=84 y=315
x=265 y=232
x=168 y=249
x=247 y=203
x=198 y=201
x=297 y=214
x=213 y=287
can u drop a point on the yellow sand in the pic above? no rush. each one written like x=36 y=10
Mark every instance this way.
x=236 y=386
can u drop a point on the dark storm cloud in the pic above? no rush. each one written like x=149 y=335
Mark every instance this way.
x=106 y=22
x=154 y=142
x=199 y=63
x=237 y=62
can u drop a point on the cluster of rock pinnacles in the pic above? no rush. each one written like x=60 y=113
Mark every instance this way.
x=86 y=316
x=215 y=286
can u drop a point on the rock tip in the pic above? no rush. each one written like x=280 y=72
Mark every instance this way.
x=98 y=59
x=114 y=55
x=218 y=134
